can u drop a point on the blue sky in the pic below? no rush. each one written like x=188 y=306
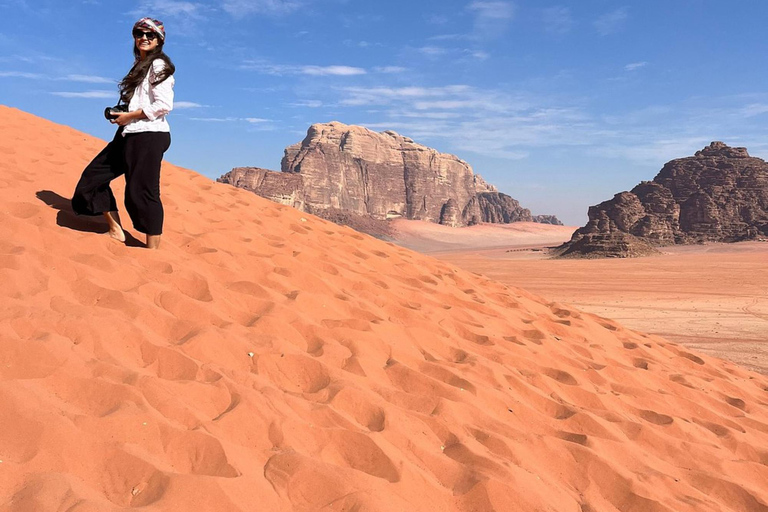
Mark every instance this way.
x=559 y=104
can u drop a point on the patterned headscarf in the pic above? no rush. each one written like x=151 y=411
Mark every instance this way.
x=155 y=26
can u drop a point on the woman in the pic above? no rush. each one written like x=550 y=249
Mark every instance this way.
x=138 y=146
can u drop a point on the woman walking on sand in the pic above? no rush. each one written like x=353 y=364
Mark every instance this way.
x=146 y=97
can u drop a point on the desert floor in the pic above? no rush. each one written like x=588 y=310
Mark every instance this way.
x=713 y=298
x=266 y=359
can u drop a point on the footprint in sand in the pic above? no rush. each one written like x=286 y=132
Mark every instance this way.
x=294 y=373
x=656 y=418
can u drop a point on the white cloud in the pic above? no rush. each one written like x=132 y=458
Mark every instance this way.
x=307 y=104
x=216 y=119
x=389 y=69
x=180 y=105
x=358 y=96
x=496 y=123
x=635 y=65
x=87 y=94
x=448 y=37
x=172 y=8
x=432 y=51
x=557 y=20
x=22 y=74
x=478 y=54
x=331 y=70
x=312 y=70
x=242 y=8
x=252 y=120
x=611 y=22
x=755 y=109
x=491 y=17
x=91 y=79
x=427 y=115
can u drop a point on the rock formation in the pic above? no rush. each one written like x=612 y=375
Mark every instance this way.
x=350 y=169
x=284 y=188
x=718 y=195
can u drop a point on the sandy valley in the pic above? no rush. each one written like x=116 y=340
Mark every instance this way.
x=713 y=297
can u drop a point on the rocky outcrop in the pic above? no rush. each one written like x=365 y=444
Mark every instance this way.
x=718 y=195
x=280 y=187
x=379 y=175
x=547 y=219
x=499 y=208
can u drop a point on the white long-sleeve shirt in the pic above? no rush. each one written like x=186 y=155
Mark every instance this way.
x=155 y=100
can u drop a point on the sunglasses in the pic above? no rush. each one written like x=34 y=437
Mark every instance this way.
x=138 y=34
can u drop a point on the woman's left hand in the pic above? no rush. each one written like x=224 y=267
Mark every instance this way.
x=124 y=118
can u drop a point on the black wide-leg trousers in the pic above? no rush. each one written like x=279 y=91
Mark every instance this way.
x=138 y=156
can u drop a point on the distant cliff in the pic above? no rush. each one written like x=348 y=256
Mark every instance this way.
x=350 y=169
x=718 y=195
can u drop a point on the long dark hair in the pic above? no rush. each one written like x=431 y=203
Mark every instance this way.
x=140 y=69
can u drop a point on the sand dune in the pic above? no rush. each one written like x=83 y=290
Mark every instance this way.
x=265 y=359
x=713 y=297
x=431 y=238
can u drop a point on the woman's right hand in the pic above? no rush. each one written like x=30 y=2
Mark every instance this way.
x=123 y=118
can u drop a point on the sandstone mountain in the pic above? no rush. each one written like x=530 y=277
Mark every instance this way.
x=718 y=195
x=355 y=172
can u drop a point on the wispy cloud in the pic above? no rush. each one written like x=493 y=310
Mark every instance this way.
x=491 y=17
x=252 y=120
x=191 y=13
x=312 y=70
x=22 y=74
x=358 y=96
x=87 y=94
x=169 y=8
x=558 y=20
x=331 y=70
x=635 y=66
x=755 y=109
x=307 y=104
x=90 y=79
x=242 y=8
x=490 y=122
x=511 y=125
x=180 y=105
x=432 y=51
x=478 y=54
x=611 y=22
x=390 y=69
x=449 y=37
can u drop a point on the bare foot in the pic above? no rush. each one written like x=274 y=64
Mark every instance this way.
x=115 y=231
x=117 y=234
x=153 y=241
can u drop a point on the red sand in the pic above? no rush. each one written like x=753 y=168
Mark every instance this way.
x=713 y=298
x=431 y=238
x=264 y=359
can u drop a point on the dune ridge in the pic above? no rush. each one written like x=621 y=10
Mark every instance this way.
x=266 y=359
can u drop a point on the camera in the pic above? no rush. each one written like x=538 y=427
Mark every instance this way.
x=111 y=112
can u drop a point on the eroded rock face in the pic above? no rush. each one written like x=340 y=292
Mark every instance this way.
x=547 y=219
x=279 y=187
x=381 y=175
x=718 y=195
x=500 y=208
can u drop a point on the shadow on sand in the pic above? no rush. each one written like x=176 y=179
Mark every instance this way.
x=67 y=218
